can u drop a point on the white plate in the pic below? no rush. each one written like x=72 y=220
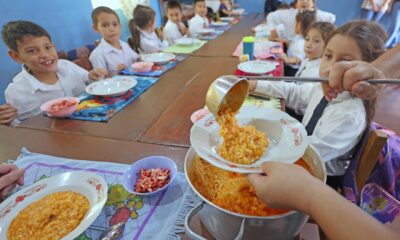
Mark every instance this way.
x=187 y=41
x=111 y=86
x=238 y=11
x=227 y=19
x=90 y=185
x=158 y=58
x=287 y=138
x=219 y=24
x=257 y=67
x=205 y=31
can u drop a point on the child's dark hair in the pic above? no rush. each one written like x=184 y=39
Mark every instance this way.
x=305 y=19
x=370 y=39
x=17 y=30
x=196 y=1
x=142 y=16
x=172 y=4
x=210 y=13
x=96 y=12
x=294 y=3
x=283 y=6
x=325 y=28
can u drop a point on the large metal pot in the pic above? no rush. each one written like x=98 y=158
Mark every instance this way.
x=223 y=224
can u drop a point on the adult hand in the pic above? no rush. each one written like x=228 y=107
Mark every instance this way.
x=286 y=186
x=98 y=73
x=349 y=76
x=7 y=114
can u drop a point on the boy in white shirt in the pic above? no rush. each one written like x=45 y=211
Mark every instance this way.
x=295 y=52
x=199 y=21
x=112 y=53
x=174 y=28
x=43 y=76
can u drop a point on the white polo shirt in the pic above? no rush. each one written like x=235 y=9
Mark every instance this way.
x=337 y=131
x=196 y=23
x=108 y=57
x=296 y=49
x=150 y=43
x=26 y=93
x=309 y=68
x=171 y=32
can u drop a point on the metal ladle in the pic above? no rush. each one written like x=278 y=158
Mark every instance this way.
x=226 y=92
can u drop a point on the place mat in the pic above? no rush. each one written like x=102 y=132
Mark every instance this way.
x=179 y=49
x=211 y=36
x=157 y=217
x=157 y=70
x=276 y=73
x=263 y=49
x=220 y=28
x=101 y=109
x=264 y=101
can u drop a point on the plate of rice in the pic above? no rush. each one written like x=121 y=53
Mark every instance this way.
x=242 y=142
x=59 y=207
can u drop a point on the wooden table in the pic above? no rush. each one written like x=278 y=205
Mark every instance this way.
x=224 y=45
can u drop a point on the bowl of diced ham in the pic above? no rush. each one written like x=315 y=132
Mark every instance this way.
x=150 y=175
x=60 y=107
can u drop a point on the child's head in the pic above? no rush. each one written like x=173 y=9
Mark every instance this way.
x=303 y=20
x=174 y=11
x=106 y=23
x=316 y=37
x=143 y=18
x=210 y=14
x=356 y=40
x=304 y=4
x=30 y=44
x=200 y=8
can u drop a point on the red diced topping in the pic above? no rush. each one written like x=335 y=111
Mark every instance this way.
x=149 y=180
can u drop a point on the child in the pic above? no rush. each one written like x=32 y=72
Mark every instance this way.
x=144 y=38
x=112 y=53
x=174 y=28
x=334 y=127
x=225 y=8
x=314 y=45
x=43 y=76
x=295 y=52
x=199 y=21
x=284 y=21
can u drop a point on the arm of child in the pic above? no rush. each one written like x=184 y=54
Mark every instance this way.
x=296 y=96
x=98 y=73
x=290 y=186
x=289 y=60
x=97 y=59
x=7 y=114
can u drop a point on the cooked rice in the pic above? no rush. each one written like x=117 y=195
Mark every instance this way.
x=243 y=145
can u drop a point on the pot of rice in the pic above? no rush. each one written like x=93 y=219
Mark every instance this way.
x=230 y=208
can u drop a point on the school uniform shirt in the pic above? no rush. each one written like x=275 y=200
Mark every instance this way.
x=284 y=21
x=108 y=57
x=150 y=43
x=309 y=68
x=337 y=131
x=171 y=32
x=296 y=49
x=196 y=23
x=26 y=93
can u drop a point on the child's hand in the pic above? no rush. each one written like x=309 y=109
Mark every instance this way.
x=7 y=114
x=121 y=67
x=252 y=85
x=273 y=35
x=282 y=56
x=182 y=28
x=98 y=73
x=10 y=176
x=286 y=186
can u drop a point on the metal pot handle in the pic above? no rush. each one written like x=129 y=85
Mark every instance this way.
x=191 y=234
